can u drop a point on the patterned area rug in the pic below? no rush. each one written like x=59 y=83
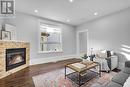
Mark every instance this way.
x=57 y=79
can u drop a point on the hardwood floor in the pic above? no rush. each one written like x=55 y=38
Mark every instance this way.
x=23 y=78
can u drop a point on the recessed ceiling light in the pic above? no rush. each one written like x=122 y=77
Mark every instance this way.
x=95 y=13
x=71 y=0
x=68 y=20
x=36 y=11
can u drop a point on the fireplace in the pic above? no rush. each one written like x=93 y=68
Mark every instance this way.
x=15 y=57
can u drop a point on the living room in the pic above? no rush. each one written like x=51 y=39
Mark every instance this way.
x=53 y=38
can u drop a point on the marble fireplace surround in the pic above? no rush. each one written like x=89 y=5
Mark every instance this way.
x=12 y=45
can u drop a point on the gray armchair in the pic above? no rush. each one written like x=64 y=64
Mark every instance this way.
x=127 y=67
x=119 y=79
x=127 y=64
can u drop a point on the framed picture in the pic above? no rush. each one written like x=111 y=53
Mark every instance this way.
x=5 y=35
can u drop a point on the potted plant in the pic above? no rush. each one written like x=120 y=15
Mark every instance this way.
x=84 y=57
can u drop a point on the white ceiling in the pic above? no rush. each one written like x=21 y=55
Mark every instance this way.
x=77 y=12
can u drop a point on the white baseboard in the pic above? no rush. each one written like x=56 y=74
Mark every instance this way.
x=51 y=59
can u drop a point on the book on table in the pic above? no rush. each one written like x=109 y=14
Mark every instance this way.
x=78 y=65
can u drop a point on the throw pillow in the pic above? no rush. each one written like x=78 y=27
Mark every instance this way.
x=127 y=83
x=92 y=57
x=103 y=54
x=108 y=53
x=112 y=53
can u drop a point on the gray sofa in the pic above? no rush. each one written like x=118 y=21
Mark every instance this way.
x=119 y=79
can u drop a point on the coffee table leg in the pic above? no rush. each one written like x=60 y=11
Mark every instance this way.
x=99 y=70
x=65 y=72
x=79 y=79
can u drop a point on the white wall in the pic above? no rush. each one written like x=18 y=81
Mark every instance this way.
x=27 y=30
x=82 y=42
x=110 y=32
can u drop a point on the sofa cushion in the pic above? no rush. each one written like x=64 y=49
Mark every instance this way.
x=101 y=54
x=120 y=78
x=126 y=70
x=114 y=84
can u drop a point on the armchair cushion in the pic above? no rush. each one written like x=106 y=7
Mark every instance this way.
x=120 y=78
x=126 y=70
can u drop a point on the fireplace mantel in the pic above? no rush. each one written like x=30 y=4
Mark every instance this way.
x=12 y=45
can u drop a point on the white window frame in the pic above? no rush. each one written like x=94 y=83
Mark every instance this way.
x=39 y=32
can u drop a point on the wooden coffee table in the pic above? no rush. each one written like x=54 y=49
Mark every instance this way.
x=81 y=68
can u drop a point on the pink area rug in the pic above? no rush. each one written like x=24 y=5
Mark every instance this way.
x=56 y=79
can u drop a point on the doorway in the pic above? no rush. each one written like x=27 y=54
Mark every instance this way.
x=82 y=42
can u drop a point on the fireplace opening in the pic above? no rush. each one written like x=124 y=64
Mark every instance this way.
x=15 y=57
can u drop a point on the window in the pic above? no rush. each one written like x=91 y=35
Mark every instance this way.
x=50 y=38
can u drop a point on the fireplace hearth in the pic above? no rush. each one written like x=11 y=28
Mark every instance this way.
x=15 y=58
